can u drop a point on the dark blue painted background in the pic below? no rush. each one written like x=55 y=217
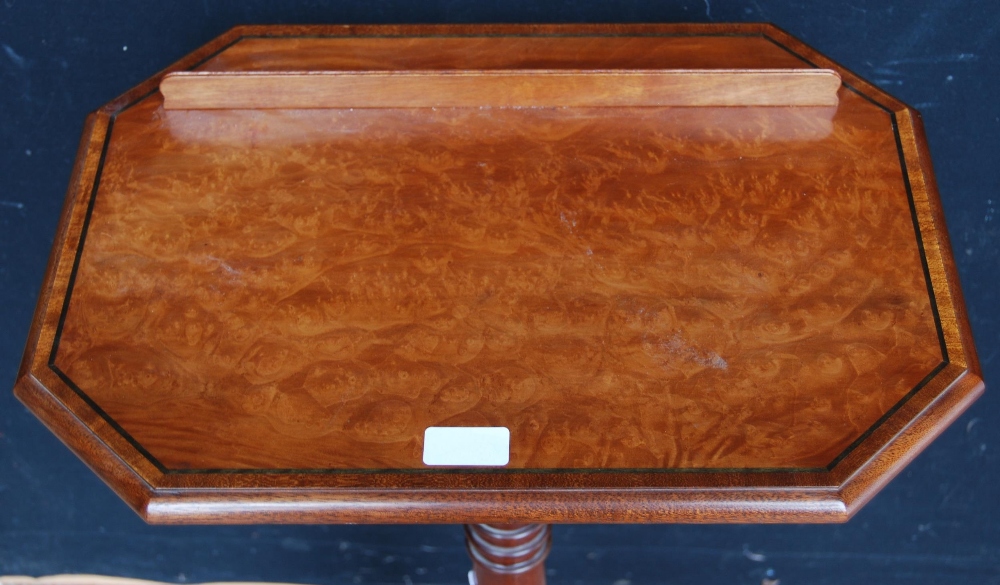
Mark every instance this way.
x=939 y=522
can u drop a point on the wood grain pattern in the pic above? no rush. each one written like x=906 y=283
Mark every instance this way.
x=403 y=48
x=499 y=88
x=631 y=290
x=380 y=272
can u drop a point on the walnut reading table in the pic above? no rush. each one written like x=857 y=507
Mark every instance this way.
x=503 y=276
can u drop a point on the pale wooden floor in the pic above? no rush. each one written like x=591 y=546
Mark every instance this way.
x=99 y=580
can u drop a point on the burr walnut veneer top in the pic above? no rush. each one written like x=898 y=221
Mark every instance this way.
x=700 y=313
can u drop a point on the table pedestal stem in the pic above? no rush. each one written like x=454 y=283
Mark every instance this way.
x=508 y=554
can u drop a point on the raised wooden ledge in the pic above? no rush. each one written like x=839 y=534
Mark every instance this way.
x=209 y=90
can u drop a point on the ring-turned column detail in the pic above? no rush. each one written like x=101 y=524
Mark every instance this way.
x=508 y=554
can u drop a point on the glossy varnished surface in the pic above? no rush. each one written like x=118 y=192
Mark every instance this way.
x=448 y=49
x=736 y=291
x=622 y=288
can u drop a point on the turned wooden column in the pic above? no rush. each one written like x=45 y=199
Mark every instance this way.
x=508 y=554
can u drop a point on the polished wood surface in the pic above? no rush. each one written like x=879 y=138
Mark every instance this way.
x=498 y=88
x=319 y=299
x=593 y=47
x=730 y=308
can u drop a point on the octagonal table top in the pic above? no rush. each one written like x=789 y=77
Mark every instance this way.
x=678 y=314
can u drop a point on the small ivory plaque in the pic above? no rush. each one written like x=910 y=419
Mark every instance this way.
x=471 y=446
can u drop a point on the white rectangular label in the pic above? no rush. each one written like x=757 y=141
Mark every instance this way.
x=471 y=446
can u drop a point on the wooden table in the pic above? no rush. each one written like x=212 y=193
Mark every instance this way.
x=677 y=314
